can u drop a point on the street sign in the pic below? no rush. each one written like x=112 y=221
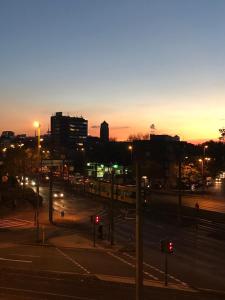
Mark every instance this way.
x=52 y=162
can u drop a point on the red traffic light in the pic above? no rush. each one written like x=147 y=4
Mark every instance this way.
x=97 y=219
x=170 y=247
x=167 y=246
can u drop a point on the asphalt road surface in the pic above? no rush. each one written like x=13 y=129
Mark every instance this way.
x=196 y=269
x=198 y=259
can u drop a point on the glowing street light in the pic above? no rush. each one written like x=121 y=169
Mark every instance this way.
x=202 y=161
x=205 y=147
x=202 y=167
x=37 y=125
x=130 y=148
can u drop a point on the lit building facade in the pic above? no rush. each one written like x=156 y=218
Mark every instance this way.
x=68 y=132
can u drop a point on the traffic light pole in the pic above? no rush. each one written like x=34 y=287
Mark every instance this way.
x=139 y=237
x=166 y=269
x=94 y=233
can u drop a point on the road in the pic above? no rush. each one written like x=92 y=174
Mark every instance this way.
x=79 y=270
x=37 y=272
x=197 y=253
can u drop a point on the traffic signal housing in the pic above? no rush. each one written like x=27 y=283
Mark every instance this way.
x=170 y=247
x=97 y=219
x=167 y=246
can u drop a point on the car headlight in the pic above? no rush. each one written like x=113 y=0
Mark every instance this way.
x=61 y=195
x=55 y=195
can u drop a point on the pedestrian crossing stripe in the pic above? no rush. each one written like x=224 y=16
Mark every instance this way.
x=14 y=222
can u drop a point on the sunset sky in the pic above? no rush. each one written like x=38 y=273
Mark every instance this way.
x=131 y=63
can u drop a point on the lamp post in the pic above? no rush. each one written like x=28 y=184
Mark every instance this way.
x=37 y=125
x=203 y=161
x=202 y=166
x=130 y=148
x=204 y=149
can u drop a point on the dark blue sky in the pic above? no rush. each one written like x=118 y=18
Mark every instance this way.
x=132 y=63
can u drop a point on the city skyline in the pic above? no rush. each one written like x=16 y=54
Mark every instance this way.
x=131 y=63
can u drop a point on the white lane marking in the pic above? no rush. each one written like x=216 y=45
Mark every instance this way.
x=73 y=261
x=158 y=270
x=23 y=220
x=23 y=255
x=13 y=222
x=16 y=260
x=11 y=226
x=45 y=293
x=132 y=265
x=212 y=290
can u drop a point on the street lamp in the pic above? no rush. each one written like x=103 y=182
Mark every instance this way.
x=130 y=148
x=202 y=166
x=202 y=161
x=37 y=125
x=204 y=149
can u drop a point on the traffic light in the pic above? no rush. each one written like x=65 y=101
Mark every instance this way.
x=167 y=246
x=97 y=219
x=170 y=247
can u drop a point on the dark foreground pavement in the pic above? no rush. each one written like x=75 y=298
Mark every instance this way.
x=18 y=284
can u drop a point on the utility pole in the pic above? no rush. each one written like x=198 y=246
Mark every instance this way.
x=139 y=236
x=112 y=209
x=50 y=204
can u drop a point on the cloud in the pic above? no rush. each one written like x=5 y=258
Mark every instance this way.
x=120 y=127
x=112 y=127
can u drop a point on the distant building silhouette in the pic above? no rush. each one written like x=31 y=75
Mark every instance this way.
x=68 y=132
x=104 y=132
x=164 y=137
x=8 y=135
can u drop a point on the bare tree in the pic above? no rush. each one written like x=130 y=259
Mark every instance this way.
x=138 y=136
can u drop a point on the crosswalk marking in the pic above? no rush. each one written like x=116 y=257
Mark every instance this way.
x=14 y=222
x=131 y=265
x=157 y=269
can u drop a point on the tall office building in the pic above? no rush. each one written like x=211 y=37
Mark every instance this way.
x=104 y=132
x=68 y=132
